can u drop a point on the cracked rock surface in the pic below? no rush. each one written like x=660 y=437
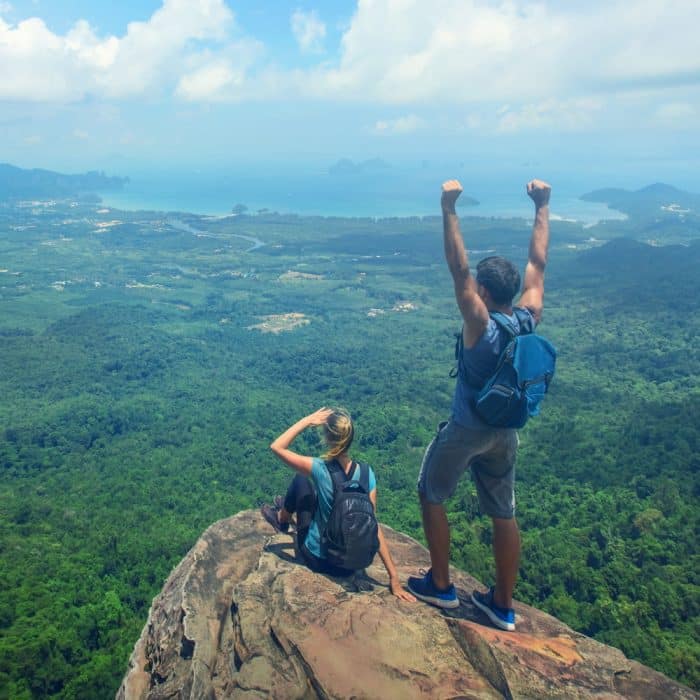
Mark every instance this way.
x=240 y=618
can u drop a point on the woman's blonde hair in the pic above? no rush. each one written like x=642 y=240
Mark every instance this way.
x=339 y=432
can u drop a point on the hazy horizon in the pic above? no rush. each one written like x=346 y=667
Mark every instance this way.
x=588 y=90
x=387 y=189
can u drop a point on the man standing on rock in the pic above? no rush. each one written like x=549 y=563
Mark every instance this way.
x=466 y=442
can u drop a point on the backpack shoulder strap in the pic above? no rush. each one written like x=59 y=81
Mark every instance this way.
x=337 y=475
x=525 y=320
x=354 y=466
x=364 y=476
x=501 y=321
x=459 y=344
x=504 y=324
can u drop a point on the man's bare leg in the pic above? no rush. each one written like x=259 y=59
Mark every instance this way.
x=506 y=551
x=437 y=532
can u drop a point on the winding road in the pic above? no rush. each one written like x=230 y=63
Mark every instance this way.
x=182 y=226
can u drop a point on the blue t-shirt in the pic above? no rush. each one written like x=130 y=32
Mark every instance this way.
x=476 y=365
x=323 y=485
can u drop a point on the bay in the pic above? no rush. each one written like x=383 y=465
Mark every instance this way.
x=381 y=193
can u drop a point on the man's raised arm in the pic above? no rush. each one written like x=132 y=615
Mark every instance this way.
x=533 y=280
x=472 y=308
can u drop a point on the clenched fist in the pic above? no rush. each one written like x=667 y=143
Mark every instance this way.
x=450 y=193
x=538 y=191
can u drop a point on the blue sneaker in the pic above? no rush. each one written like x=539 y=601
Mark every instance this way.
x=424 y=589
x=501 y=617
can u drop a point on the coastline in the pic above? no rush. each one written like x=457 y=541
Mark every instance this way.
x=307 y=192
x=568 y=209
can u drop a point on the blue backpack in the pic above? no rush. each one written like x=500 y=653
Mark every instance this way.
x=513 y=393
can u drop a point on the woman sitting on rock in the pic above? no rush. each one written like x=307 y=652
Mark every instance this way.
x=311 y=494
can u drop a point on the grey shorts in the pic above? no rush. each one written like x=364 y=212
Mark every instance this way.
x=489 y=453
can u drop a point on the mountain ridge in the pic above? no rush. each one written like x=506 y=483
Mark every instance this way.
x=657 y=198
x=17 y=182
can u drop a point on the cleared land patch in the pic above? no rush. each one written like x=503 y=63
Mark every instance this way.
x=293 y=275
x=276 y=323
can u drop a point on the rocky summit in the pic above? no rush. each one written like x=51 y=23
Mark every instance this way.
x=240 y=618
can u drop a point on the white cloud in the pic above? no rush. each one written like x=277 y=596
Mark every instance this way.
x=548 y=64
x=218 y=76
x=207 y=81
x=410 y=51
x=308 y=30
x=676 y=115
x=5 y=8
x=568 y=115
x=401 y=125
x=39 y=65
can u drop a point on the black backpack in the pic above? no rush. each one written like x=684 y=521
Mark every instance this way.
x=351 y=537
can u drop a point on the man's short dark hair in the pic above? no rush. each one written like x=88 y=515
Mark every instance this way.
x=500 y=277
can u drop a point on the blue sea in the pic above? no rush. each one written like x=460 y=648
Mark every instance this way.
x=383 y=192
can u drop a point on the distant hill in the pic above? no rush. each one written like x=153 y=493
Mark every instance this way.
x=634 y=273
x=624 y=253
x=657 y=199
x=17 y=183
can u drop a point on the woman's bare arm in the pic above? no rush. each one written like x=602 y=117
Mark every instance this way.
x=280 y=446
x=394 y=584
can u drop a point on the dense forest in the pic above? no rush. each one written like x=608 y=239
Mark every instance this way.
x=147 y=361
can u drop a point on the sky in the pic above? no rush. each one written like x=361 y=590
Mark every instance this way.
x=603 y=85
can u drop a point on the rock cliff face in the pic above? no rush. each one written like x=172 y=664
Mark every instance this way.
x=239 y=618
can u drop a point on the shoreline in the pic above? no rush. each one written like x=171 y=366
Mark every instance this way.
x=569 y=213
x=604 y=213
